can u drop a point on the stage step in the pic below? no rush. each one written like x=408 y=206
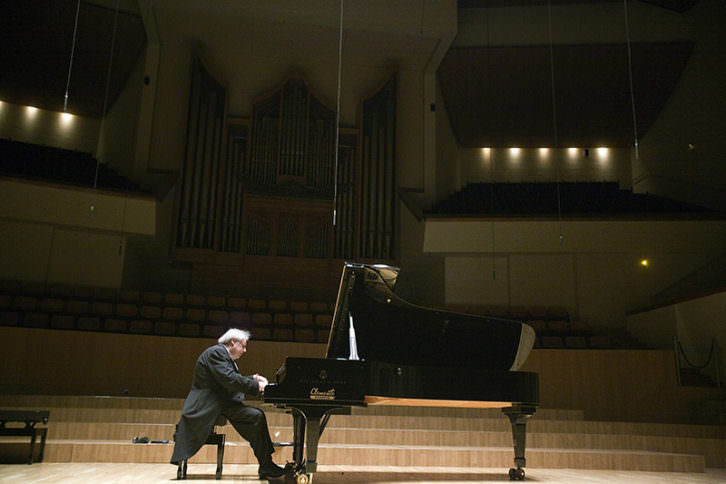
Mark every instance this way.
x=101 y=429
x=386 y=455
x=714 y=450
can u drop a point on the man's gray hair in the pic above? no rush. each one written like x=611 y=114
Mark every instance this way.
x=234 y=333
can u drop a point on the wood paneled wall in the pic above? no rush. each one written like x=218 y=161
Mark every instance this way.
x=630 y=385
x=38 y=361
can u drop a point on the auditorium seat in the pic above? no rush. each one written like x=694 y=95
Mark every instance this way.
x=36 y=320
x=575 y=342
x=195 y=300
x=600 y=341
x=88 y=323
x=152 y=297
x=213 y=331
x=551 y=342
x=304 y=335
x=62 y=321
x=129 y=295
x=173 y=313
x=257 y=304
x=196 y=314
x=141 y=326
x=261 y=319
x=323 y=320
x=52 y=305
x=166 y=328
x=25 y=303
x=282 y=319
x=216 y=301
x=239 y=317
x=218 y=316
x=318 y=307
x=173 y=299
x=277 y=305
x=558 y=325
x=151 y=312
x=299 y=306
x=236 y=302
x=303 y=319
x=103 y=308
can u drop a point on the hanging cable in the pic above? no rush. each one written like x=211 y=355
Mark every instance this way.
x=492 y=184
x=70 y=64
x=554 y=117
x=491 y=209
x=337 y=117
x=105 y=106
x=108 y=83
x=630 y=77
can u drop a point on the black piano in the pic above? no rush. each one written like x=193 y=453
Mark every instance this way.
x=383 y=350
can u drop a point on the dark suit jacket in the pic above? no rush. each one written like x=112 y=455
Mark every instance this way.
x=217 y=384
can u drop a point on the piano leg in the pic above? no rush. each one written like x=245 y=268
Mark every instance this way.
x=298 y=425
x=309 y=422
x=518 y=416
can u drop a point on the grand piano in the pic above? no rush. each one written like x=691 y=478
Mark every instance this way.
x=383 y=350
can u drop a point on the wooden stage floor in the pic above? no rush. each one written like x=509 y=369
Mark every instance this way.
x=96 y=473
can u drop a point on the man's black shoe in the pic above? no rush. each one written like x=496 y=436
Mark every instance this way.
x=270 y=470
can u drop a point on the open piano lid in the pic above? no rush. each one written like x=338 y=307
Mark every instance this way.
x=390 y=329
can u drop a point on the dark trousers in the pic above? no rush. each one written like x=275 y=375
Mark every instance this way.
x=251 y=424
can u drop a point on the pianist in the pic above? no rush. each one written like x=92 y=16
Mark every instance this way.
x=219 y=389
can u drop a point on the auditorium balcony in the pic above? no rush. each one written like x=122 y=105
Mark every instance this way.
x=566 y=199
x=55 y=165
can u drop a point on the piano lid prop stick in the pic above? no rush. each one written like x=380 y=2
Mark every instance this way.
x=351 y=337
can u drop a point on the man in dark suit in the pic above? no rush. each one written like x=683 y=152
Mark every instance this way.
x=219 y=389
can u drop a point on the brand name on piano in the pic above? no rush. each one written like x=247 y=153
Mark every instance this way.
x=316 y=394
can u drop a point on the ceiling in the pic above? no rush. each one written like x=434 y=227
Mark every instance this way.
x=37 y=40
x=494 y=96
x=503 y=96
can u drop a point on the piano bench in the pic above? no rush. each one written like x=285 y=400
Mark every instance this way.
x=29 y=418
x=213 y=439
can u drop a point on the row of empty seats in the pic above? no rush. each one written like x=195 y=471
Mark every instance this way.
x=102 y=309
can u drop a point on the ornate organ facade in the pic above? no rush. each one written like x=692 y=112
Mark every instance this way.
x=264 y=190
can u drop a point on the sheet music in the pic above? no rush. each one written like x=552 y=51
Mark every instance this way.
x=351 y=337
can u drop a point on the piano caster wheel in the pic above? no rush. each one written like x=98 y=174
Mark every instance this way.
x=304 y=479
x=516 y=474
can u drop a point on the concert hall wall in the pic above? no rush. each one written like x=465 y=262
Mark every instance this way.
x=606 y=384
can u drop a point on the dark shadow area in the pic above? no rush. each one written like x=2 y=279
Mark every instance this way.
x=45 y=163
